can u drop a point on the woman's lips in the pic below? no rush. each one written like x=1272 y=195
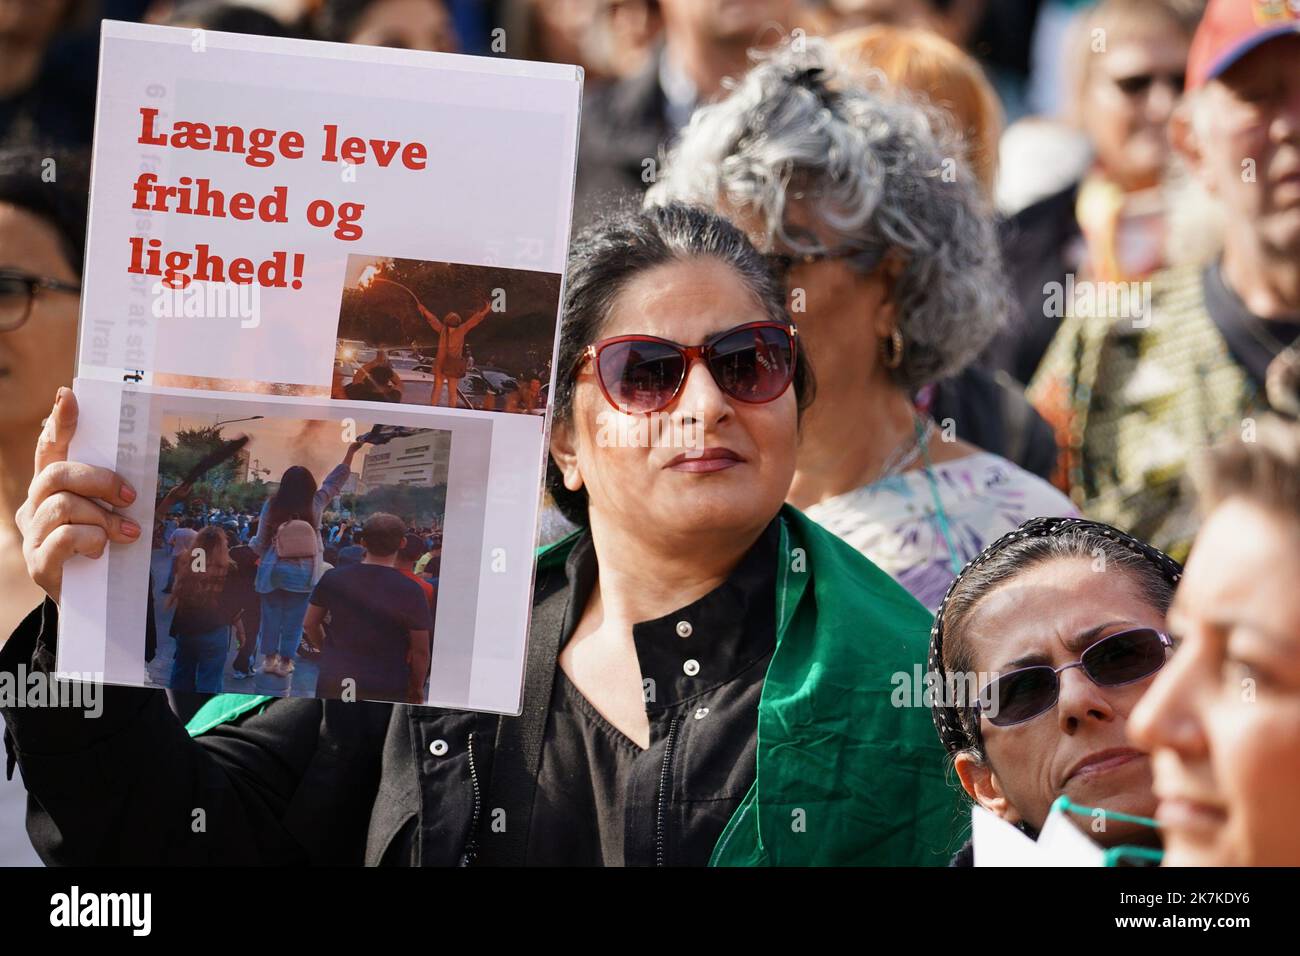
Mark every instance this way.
x=1103 y=761
x=705 y=460
x=1287 y=187
x=1184 y=813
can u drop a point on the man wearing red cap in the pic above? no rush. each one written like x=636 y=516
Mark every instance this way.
x=1143 y=395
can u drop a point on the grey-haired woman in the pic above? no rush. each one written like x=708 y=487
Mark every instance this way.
x=890 y=257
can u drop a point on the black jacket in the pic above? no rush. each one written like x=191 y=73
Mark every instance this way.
x=1035 y=246
x=303 y=781
x=298 y=781
x=989 y=410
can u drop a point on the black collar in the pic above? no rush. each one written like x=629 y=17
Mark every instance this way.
x=708 y=642
x=1252 y=341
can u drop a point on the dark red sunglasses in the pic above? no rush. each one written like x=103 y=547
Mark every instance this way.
x=642 y=374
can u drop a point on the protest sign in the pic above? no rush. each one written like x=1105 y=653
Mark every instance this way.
x=322 y=284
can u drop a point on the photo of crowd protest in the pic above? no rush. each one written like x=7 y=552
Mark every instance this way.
x=988 y=314
x=290 y=562
x=437 y=333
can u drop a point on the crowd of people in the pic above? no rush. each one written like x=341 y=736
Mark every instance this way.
x=275 y=582
x=989 y=326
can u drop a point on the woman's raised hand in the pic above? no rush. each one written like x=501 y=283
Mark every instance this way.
x=62 y=515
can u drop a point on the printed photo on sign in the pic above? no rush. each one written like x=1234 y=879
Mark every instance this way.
x=438 y=333
x=286 y=236
x=296 y=557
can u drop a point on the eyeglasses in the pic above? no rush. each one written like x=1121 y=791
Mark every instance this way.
x=780 y=263
x=1139 y=84
x=642 y=374
x=1122 y=658
x=18 y=291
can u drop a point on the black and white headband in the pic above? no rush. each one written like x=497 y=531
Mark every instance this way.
x=947 y=718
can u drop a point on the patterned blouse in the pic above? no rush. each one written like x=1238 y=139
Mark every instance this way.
x=895 y=523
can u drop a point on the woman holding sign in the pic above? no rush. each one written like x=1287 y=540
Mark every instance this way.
x=703 y=662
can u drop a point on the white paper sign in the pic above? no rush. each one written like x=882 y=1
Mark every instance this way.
x=296 y=249
x=997 y=843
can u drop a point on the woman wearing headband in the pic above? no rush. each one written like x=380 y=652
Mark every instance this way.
x=1222 y=722
x=1041 y=649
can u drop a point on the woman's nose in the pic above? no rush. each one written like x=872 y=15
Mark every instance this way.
x=701 y=399
x=1081 y=700
x=1161 y=100
x=1164 y=717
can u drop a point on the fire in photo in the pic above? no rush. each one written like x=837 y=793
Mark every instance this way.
x=441 y=333
x=296 y=557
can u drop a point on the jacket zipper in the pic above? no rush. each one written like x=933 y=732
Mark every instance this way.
x=663 y=793
x=471 y=846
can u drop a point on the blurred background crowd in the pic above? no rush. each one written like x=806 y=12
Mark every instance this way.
x=648 y=63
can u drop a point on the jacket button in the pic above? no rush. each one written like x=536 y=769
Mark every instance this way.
x=691 y=667
x=701 y=713
x=438 y=748
x=684 y=629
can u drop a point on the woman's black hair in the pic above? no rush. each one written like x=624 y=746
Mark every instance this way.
x=1036 y=541
x=53 y=184
x=613 y=251
x=293 y=499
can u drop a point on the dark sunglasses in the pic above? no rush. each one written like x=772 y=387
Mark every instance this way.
x=641 y=374
x=1139 y=84
x=1122 y=658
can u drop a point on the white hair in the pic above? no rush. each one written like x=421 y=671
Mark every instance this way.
x=886 y=175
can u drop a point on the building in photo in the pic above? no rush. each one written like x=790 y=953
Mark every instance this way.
x=420 y=459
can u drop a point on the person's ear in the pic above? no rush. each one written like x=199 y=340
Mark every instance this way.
x=1186 y=140
x=565 y=453
x=884 y=280
x=982 y=785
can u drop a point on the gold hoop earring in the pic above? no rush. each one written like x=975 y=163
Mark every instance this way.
x=891 y=349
